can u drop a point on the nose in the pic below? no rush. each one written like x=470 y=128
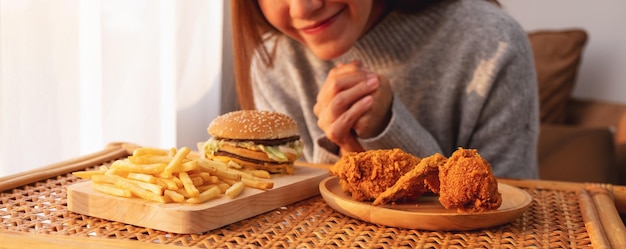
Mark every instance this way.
x=304 y=8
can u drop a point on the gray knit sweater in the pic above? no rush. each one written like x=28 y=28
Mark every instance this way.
x=462 y=74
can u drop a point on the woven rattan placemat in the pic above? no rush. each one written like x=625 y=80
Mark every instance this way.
x=553 y=221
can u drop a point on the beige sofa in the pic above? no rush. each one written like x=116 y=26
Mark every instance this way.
x=581 y=140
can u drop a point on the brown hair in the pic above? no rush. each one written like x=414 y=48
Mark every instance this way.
x=250 y=28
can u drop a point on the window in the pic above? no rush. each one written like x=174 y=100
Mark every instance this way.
x=77 y=75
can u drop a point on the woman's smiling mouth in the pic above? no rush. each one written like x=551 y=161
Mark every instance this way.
x=319 y=26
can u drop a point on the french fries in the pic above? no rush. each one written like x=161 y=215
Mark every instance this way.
x=173 y=176
x=234 y=190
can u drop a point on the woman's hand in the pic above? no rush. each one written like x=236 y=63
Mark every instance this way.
x=351 y=103
x=374 y=121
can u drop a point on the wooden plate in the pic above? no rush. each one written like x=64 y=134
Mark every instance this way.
x=426 y=213
x=195 y=218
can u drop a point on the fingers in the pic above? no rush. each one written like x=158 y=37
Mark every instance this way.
x=344 y=99
x=376 y=119
x=346 y=105
x=345 y=85
x=345 y=108
x=339 y=129
x=340 y=78
x=346 y=90
x=344 y=121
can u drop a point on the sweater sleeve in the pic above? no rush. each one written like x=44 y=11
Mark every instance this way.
x=404 y=132
x=488 y=101
x=507 y=127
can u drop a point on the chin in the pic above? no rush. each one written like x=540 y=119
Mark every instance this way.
x=329 y=52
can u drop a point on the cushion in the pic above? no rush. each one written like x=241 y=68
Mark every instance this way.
x=557 y=55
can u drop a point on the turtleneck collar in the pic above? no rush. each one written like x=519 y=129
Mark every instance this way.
x=387 y=41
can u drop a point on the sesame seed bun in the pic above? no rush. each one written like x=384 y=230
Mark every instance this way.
x=253 y=125
x=255 y=140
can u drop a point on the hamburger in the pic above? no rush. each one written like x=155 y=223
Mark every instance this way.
x=254 y=139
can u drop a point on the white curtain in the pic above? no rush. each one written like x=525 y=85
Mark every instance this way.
x=76 y=75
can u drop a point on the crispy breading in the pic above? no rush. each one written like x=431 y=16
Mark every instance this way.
x=467 y=183
x=420 y=180
x=464 y=181
x=367 y=174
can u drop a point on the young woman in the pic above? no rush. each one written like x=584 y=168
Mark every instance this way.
x=425 y=76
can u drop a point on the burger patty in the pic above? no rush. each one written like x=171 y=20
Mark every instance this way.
x=224 y=153
x=266 y=142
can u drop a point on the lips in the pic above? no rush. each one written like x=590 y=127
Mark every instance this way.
x=319 y=26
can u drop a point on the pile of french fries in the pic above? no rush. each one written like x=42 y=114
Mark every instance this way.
x=173 y=176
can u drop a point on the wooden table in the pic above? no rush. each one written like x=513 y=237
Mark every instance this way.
x=33 y=209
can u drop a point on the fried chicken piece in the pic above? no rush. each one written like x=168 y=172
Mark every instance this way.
x=421 y=179
x=467 y=183
x=367 y=174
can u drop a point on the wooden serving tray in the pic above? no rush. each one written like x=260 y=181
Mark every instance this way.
x=427 y=213
x=196 y=218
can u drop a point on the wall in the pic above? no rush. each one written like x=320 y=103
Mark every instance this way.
x=602 y=74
